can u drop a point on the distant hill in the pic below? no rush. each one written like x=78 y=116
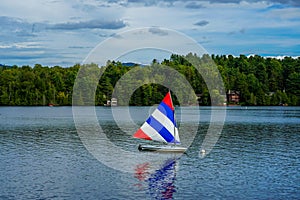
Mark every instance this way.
x=132 y=64
x=5 y=66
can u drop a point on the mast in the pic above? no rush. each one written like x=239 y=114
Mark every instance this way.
x=174 y=128
x=174 y=143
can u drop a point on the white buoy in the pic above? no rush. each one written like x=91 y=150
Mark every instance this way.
x=203 y=151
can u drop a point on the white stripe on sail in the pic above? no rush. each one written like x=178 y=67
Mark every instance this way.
x=177 y=135
x=152 y=133
x=165 y=121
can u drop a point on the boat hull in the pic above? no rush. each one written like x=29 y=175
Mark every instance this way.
x=170 y=148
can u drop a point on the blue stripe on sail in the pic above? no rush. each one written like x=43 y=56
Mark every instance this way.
x=160 y=129
x=166 y=110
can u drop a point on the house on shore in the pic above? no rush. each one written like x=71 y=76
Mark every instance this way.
x=233 y=97
x=112 y=102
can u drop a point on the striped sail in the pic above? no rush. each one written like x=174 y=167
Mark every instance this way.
x=161 y=125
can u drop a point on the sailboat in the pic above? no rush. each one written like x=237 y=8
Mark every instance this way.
x=161 y=126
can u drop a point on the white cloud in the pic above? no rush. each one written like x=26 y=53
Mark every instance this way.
x=33 y=10
x=285 y=13
x=21 y=45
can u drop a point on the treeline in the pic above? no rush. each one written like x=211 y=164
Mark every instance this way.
x=257 y=81
x=262 y=81
x=27 y=86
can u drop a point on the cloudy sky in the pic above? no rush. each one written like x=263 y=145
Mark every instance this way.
x=63 y=32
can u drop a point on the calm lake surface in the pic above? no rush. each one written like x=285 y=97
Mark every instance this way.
x=256 y=157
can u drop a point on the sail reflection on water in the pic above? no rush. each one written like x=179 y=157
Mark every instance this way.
x=159 y=183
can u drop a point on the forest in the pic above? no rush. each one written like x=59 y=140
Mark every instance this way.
x=257 y=81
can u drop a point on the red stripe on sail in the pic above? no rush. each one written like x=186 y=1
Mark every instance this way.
x=168 y=100
x=140 y=134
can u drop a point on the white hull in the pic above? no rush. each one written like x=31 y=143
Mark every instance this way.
x=169 y=148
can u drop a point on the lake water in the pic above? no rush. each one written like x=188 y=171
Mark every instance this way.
x=256 y=157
